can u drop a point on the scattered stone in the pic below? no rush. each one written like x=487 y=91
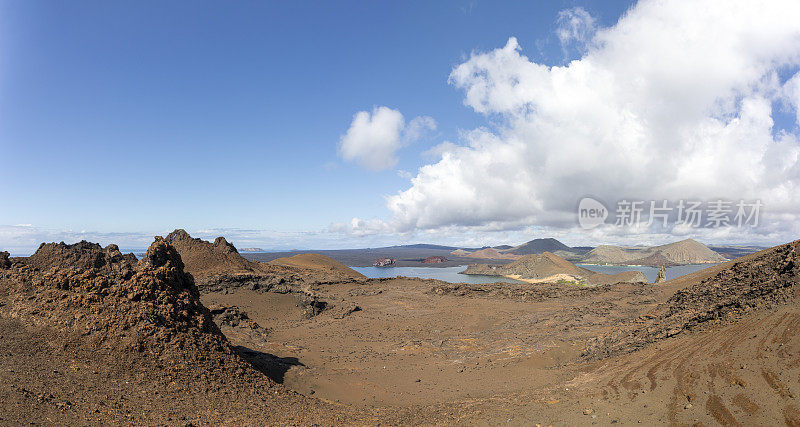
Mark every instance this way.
x=310 y=304
x=231 y=316
x=341 y=312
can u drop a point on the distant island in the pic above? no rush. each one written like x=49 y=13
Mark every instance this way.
x=684 y=252
x=678 y=253
x=251 y=250
x=551 y=268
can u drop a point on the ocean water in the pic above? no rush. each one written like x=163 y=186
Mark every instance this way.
x=650 y=272
x=447 y=274
x=451 y=274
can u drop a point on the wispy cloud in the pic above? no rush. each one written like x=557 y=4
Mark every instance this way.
x=576 y=28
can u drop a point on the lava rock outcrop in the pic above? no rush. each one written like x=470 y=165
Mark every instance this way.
x=763 y=279
x=147 y=310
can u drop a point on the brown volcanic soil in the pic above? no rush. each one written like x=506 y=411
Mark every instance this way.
x=91 y=336
x=766 y=278
x=523 y=354
x=410 y=351
x=320 y=264
x=460 y=341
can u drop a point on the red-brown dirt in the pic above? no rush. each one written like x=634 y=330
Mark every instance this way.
x=92 y=336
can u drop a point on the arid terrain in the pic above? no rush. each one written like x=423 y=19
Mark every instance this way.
x=195 y=333
x=551 y=268
x=686 y=251
x=682 y=252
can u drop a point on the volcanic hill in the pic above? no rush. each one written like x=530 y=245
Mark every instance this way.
x=321 y=264
x=533 y=247
x=687 y=251
x=548 y=267
x=538 y=246
x=488 y=253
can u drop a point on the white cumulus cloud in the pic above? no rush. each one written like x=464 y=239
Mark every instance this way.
x=373 y=139
x=674 y=101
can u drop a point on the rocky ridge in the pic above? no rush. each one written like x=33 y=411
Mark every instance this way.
x=218 y=266
x=149 y=306
x=764 y=279
x=92 y=336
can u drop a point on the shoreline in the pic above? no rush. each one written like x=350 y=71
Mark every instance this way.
x=561 y=277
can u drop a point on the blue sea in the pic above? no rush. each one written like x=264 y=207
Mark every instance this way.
x=650 y=272
x=451 y=274
x=447 y=274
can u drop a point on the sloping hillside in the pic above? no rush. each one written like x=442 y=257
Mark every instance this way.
x=538 y=246
x=615 y=255
x=721 y=350
x=548 y=267
x=459 y=252
x=491 y=253
x=765 y=278
x=320 y=263
x=687 y=251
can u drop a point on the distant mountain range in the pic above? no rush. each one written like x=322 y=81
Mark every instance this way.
x=424 y=246
x=678 y=253
x=687 y=251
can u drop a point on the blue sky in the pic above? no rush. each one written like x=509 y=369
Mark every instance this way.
x=140 y=117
